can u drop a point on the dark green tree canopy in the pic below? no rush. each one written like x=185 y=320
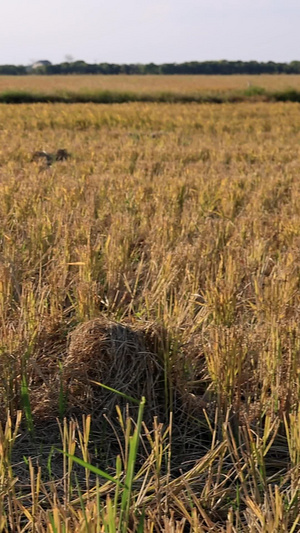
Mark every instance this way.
x=192 y=67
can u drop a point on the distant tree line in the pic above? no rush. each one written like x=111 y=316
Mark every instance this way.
x=192 y=67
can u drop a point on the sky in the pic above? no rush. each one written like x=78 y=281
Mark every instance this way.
x=144 y=31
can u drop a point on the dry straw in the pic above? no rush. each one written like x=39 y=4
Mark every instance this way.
x=117 y=355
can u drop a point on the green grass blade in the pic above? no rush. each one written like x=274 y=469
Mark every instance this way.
x=25 y=399
x=91 y=468
x=111 y=516
x=51 y=520
x=133 y=447
x=129 y=398
x=141 y=524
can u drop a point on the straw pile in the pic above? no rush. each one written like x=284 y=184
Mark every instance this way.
x=117 y=355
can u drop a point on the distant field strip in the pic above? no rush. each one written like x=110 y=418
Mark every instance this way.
x=147 y=84
x=166 y=89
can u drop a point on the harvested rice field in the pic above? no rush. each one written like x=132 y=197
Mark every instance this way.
x=150 y=317
x=149 y=83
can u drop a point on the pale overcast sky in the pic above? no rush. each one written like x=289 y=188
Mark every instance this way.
x=131 y=31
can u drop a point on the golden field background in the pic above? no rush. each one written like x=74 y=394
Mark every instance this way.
x=148 y=84
x=180 y=223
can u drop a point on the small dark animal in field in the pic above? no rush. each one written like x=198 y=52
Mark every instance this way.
x=62 y=154
x=42 y=155
x=49 y=158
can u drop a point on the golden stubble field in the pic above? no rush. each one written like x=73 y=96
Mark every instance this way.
x=148 y=84
x=174 y=230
